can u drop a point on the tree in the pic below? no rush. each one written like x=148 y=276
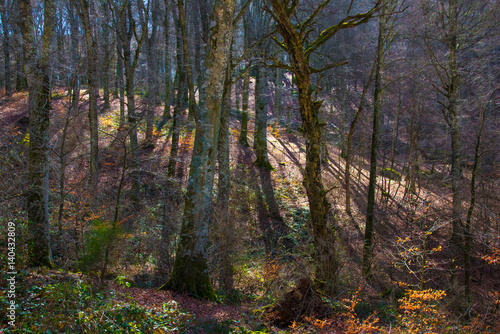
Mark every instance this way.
x=38 y=71
x=377 y=114
x=190 y=267
x=296 y=44
x=453 y=30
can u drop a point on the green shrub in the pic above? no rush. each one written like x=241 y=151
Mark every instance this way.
x=97 y=240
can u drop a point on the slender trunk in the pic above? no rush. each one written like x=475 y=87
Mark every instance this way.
x=172 y=160
x=119 y=80
x=106 y=63
x=187 y=62
x=83 y=12
x=152 y=99
x=468 y=223
x=456 y=168
x=168 y=77
x=278 y=95
x=5 y=17
x=224 y=225
x=348 y=154
x=197 y=44
x=260 y=134
x=377 y=113
x=244 y=108
x=62 y=177
x=75 y=61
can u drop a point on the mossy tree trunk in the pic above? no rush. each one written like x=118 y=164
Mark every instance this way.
x=299 y=50
x=38 y=72
x=190 y=267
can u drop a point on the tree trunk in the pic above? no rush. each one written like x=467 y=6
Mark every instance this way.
x=223 y=224
x=278 y=95
x=190 y=267
x=38 y=71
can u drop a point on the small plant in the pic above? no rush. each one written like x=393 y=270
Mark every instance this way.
x=420 y=312
x=121 y=280
x=98 y=244
x=353 y=324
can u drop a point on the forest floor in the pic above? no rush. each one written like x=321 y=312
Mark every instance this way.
x=72 y=302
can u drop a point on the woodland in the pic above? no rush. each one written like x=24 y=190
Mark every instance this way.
x=250 y=166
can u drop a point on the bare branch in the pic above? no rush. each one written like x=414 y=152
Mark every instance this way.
x=340 y=63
